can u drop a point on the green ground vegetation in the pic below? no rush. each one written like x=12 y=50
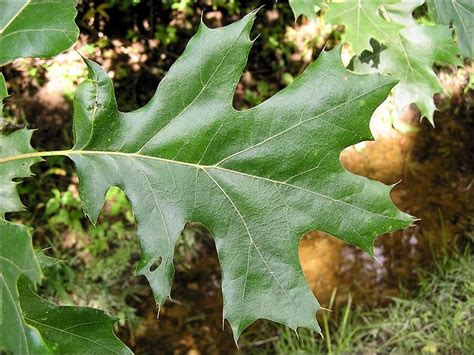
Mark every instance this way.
x=437 y=318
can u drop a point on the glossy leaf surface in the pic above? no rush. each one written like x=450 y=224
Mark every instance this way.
x=36 y=28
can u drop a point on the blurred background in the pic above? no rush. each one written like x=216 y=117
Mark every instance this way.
x=417 y=296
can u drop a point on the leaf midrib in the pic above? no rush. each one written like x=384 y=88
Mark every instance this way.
x=40 y=30
x=14 y=17
x=252 y=243
x=196 y=166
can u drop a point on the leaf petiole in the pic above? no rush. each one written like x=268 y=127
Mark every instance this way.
x=35 y=155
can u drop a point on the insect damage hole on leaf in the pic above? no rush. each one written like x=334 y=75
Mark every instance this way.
x=155 y=264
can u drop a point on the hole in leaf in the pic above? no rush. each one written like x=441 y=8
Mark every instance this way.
x=156 y=264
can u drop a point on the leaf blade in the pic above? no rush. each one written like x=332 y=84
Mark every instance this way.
x=409 y=49
x=32 y=325
x=17 y=258
x=410 y=58
x=460 y=13
x=195 y=158
x=12 y=144
x=71 y=329
x=35 y=28
x=258 y=179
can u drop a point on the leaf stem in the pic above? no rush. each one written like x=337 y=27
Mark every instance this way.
x=35 y=155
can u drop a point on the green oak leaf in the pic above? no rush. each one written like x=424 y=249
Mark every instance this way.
x=409 y=49
x=17 y=258
x=36 y=28
x=70 y=329
x=460 y=13
x=411 y=60
x=308 y=8
x=410 y=57
x=363 y=20
x=258 y=179
x=30 y=324
x=15 y=143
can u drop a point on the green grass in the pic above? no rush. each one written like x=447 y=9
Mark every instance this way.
x=438 y=319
